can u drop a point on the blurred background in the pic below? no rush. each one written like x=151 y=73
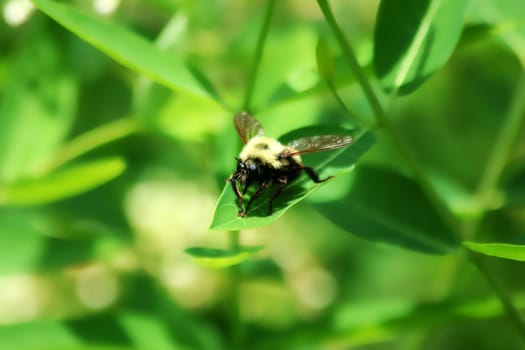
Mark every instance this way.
x=93 y=256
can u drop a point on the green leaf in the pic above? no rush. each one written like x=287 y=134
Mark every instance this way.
x=219 y=258
x=367 y=322
x=499 y=250
x=45 y=335
x=514 y=189
x=62 y=183
x=21 y=242
x=37 y=107
x=325 y=62
x=126 y=47
x=147 y=331
x=326 y=163
x=385 y=206
x=415 y=38
x=509 y=17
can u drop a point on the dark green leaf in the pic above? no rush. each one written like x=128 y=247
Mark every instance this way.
x=62 y=183
x=219 y=258
x=499 y=250
x=126 y=47
x=472 y=33
x=326 y=163
x=415 y=38
x=385 y=206
x=514 y=189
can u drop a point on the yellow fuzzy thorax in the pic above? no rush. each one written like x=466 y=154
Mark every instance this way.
x=266 y=149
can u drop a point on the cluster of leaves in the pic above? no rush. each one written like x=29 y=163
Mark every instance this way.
x=393 y=196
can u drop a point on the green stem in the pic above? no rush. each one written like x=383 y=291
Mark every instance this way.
x=235 y=309
x=502 y=148
x=383 y=120
x=258 y=55
x=350 y=56
x=488 y=182
x=505 y=299
x=485 y=194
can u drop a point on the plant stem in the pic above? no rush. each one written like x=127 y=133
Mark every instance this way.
x=502 y=148
x=490 y=179
x=349 y=54
x=485 y=192
x=235 y=316
x=383 y=120
x=258 y=55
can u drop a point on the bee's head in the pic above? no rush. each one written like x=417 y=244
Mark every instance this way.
x=245 y=168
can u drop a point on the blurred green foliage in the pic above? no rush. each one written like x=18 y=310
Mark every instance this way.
x=116 y=137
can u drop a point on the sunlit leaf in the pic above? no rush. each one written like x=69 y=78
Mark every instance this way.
x=509 y=17
x=45 y=335
x=499 y=250
x=62 y=183
x=326 y=163
x=415 y=38
x=385 y=206
x=219 y=258
x=126 y=47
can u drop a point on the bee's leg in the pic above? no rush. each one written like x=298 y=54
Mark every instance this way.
x=275 y=195
x=239 y=196
x=313 y=175
x=255 y=194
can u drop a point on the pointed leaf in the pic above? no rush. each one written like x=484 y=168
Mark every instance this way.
x=499 y=250
x=326 y=163
x=385 y=206
x=127 y=48
x=62 y=183
x=219 y=258
x=415 y=38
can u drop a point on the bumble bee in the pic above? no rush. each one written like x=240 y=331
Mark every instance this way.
x=265 y=162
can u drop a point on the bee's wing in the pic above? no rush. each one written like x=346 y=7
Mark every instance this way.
x=247 y=126
x=321 y=143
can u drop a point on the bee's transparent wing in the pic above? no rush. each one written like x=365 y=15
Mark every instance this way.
x=321 y=143
x=247 y=126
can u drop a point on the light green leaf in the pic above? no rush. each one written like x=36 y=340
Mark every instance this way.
x=385 y=206
x=326 y=163
x=37 y=108
x=219 y=258
x=499 y=250
x=62 y=183
x=415 y=38
x=147 y=331
x=509 y=17
x=45 y=335
x=21 y=243
x=126 y=47
x=325 y=61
